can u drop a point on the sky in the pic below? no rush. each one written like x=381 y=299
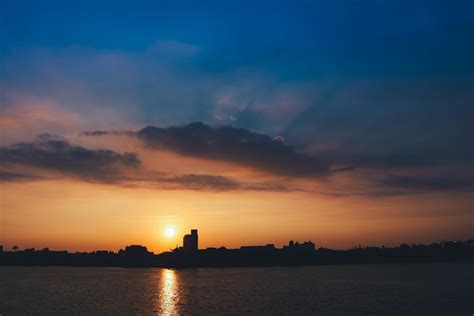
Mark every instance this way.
x=343 y=122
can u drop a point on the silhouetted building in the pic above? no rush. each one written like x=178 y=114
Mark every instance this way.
x=135 y=250
x=190 y=241
x=135 y=256
x=256 y=249
x=306 y=246
x=189 y=256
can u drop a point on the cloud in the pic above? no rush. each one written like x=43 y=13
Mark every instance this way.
x=261 y=101
x=344 y=169
x=57 y=154
x=6 y=176
x=396 y=160
x=104 y=133
x=390 y=123
x=235 y=145
x=22 y=117
x=418 y=183
x=203 y=182
x=164 y=83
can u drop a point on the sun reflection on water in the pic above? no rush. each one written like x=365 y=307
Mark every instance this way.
x=169 y=292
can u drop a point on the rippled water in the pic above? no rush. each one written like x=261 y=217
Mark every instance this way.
x=443 y=288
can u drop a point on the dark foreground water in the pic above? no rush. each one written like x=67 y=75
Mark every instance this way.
x=441 y=288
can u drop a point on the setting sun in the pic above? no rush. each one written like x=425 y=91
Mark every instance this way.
x=170 y=232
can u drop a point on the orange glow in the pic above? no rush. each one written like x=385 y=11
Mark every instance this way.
x=73 y=215
x=62 y=212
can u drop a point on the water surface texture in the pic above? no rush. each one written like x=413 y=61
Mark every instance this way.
x=441 y=288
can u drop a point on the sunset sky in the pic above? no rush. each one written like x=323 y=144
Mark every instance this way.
x=342 y=122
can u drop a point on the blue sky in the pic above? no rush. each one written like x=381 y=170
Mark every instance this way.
x=350 y=80
x=297 y=39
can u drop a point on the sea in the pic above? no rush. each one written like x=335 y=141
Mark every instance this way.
x=389 y=289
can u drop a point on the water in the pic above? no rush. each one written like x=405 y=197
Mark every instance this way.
x=441 y=288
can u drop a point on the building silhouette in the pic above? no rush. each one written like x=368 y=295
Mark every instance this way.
x=133 y=256
x=190 y=242
x=189 y=256
x=135 y=250
x=296 y=247
x=258 y=249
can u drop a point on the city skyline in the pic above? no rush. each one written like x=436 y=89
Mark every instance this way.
x=190 y=247
x=190 y=255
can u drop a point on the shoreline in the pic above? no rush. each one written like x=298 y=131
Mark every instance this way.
x=244 y=266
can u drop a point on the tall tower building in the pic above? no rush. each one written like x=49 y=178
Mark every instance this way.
x=190 y=241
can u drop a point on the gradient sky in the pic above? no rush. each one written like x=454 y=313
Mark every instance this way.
x=351 y=122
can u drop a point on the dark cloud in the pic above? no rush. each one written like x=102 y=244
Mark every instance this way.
x=57 y=154
x=50 y=152
x=368 y=193
x=220 y=183
x=418 y=183
x=203 y=182
x=269 y=186
x=235 y=145
x=344 y=169
x=103 y=133
x=384 y=124
x=6 y=176
x=395 y=160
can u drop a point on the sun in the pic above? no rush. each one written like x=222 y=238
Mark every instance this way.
x=170 y=232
